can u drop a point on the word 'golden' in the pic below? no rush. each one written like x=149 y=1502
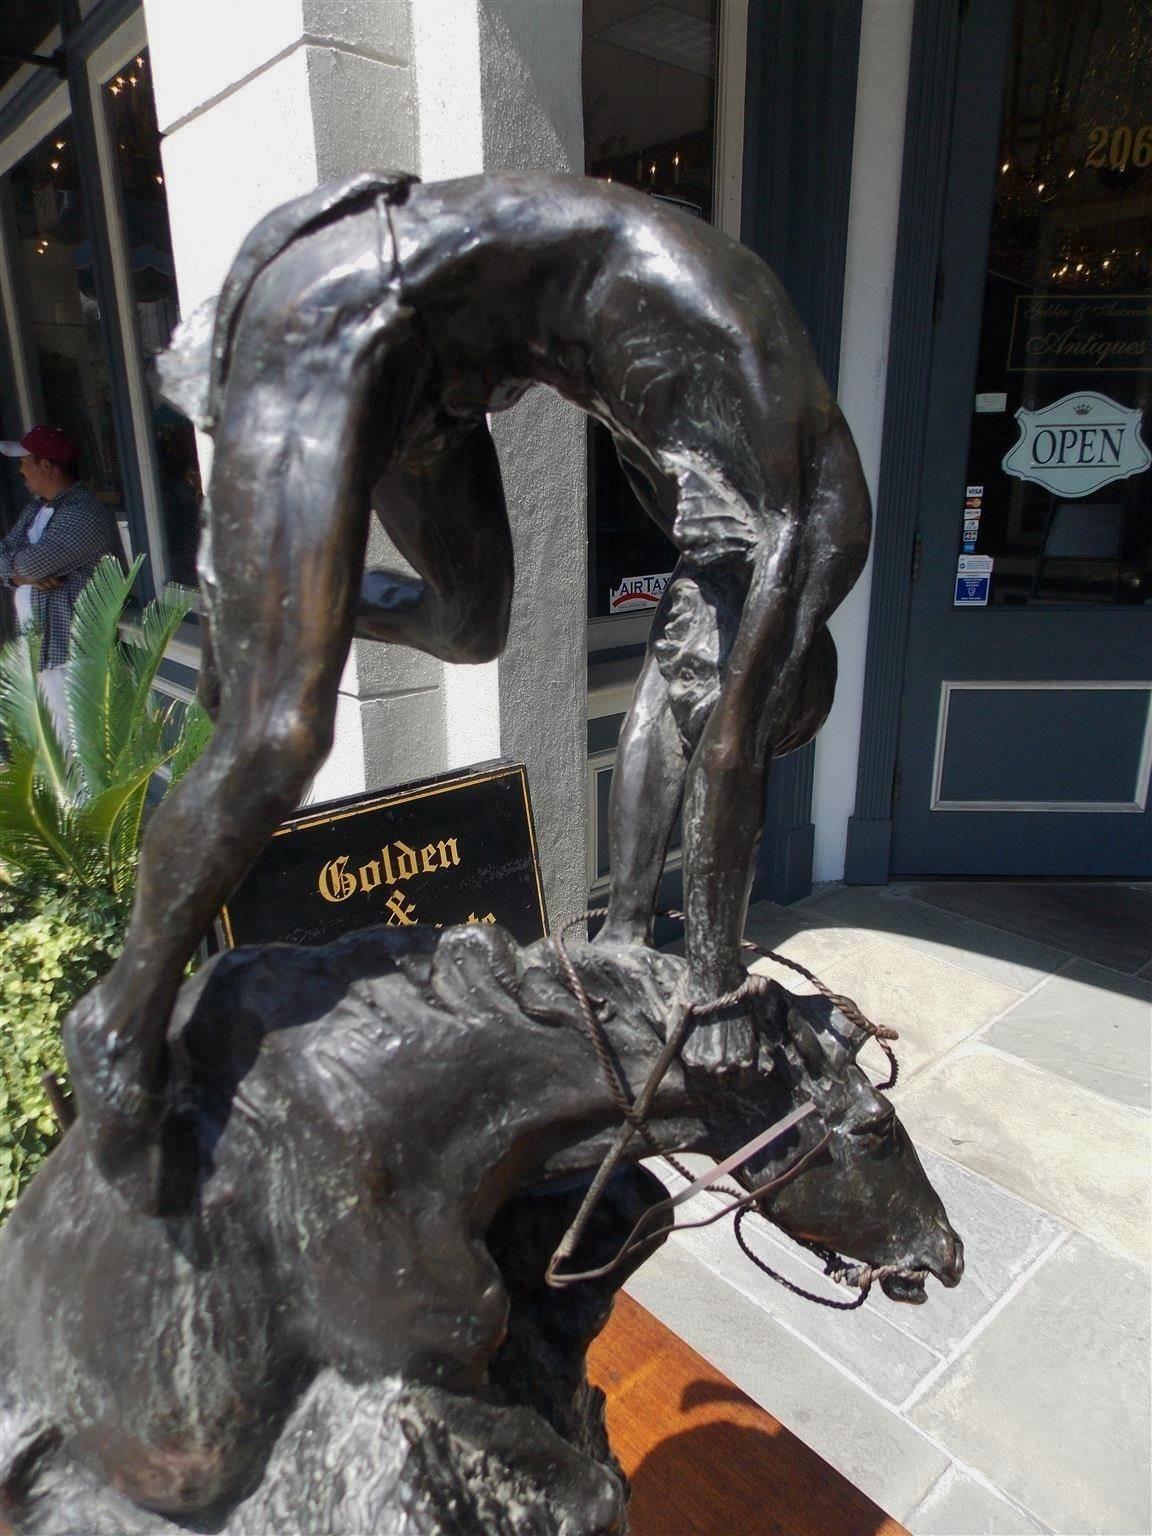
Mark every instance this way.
x=397 y=862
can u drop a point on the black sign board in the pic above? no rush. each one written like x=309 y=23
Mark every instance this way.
x=456 y=849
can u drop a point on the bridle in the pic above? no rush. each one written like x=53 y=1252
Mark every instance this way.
x=633 y=1112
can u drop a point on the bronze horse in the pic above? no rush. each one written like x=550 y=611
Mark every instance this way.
x=345 y=1326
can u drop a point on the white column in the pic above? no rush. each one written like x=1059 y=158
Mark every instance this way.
x=258 y=103
x=534 y=120
x=877 y=160
x=498 y=88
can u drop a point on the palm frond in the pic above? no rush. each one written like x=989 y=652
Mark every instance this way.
x=100 y=690
x=80 y=813
x=25 y=716
x=111 y=821
x=195 y=733
x=38 y=831
x=151 y=638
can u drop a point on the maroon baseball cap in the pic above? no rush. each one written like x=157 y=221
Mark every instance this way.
x=43 y=443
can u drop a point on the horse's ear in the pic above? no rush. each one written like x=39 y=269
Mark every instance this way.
x=806 y=1041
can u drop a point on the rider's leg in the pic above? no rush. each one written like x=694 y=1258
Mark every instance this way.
x=459 y=605
x=724 y=793
x=289 y=521
x=777 y=687
x=647 y=786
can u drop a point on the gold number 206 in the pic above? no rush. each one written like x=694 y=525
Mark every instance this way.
x=1120 y=146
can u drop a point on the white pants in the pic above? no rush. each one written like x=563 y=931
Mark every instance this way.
x=52 y=685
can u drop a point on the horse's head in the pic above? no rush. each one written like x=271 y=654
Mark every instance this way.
x=864 y=1194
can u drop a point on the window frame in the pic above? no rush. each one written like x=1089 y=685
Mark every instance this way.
x=42 y=120
x=107 y=60
x=97 y=58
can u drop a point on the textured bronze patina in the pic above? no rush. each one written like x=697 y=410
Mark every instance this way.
x=290 y=1268
x=347 y=1328
x=363 y=335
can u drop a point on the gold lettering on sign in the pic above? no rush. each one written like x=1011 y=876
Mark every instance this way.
x=335 y=884
x=446 y=849
x=489 y=917
x=401 y=910
x=397 y=864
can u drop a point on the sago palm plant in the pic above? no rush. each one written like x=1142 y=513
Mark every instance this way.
x=74 y=811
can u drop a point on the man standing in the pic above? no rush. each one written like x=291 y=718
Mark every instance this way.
x=54 y=547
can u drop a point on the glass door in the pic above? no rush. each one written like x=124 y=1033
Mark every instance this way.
x=1025 y=737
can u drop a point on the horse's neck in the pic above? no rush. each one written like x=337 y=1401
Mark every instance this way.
x=592 y=1122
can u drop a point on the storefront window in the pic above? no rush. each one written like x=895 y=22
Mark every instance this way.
x=55 y=297
x=1058 y=500
x=135 y=141
x=649 y=121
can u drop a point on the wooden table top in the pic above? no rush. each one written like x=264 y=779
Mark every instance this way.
x=703 y=1458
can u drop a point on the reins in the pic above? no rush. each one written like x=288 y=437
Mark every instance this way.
x=633 y=1115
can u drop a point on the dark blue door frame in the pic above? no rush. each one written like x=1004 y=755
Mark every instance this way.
x=799 y=123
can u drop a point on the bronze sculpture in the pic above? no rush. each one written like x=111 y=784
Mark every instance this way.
x=362 y=335
x=332 y=1193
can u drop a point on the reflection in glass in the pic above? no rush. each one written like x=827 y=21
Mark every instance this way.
x=135 y=141
x=649 y=121
x=58 y=311
x=1066 y=337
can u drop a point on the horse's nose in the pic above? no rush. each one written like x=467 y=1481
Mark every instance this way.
x=948 y=1264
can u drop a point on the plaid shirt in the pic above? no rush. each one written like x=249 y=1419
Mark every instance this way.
x=80 y=531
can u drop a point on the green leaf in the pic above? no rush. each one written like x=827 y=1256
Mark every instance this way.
x=70 y=828
x=37 y=827
x=96 y=820
x=148 y=642
x=195 y=734
x=24 y=713
x=100 y=692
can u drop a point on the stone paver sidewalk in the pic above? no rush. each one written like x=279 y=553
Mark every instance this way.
x=1018 y=1402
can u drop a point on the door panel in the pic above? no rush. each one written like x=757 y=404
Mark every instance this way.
x=1024 y=740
